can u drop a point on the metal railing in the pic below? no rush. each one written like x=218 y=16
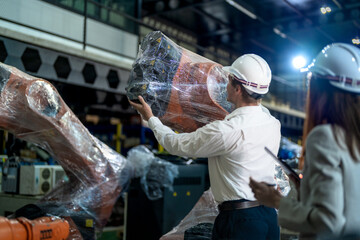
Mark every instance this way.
x=110 y=14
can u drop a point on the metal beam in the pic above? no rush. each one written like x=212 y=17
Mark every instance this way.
x=337 y=4
x=308 y=20
x=218 y=32
x=230 y=28
x=208 y=15
x=191 y=5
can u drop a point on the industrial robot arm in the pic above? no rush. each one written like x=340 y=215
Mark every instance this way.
x=32 y=109
x=183 y=89
x=49 y=228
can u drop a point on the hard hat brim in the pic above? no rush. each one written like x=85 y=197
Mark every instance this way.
x=232 y=70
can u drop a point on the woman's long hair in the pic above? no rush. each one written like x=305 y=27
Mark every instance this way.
x=327 y=104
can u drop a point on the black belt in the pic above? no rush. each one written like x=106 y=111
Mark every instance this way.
x=232 y=205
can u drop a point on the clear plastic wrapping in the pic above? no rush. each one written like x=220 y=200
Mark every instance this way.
x=290 y=152
x=282 y=180
x=183 y=89
x=198 y=223
x=155 y=174
x=32 y=109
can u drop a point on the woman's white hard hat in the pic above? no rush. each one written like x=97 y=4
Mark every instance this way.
x=252 y=71
x=340 y=64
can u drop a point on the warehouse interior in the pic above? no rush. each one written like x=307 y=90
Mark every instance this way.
x=86 y=49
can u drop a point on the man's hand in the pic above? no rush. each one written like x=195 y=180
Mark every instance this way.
x=143 y=108
x=265 y=194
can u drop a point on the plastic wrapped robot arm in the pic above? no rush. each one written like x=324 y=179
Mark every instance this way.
x=184 y=90
x=32 y=109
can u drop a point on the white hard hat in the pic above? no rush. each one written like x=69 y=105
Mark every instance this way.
x=252 y=71
x=340 y=64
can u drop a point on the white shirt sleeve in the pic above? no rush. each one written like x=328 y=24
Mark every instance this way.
x=207 y=141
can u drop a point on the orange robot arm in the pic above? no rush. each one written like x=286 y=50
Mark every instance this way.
x=32 y=109
x=49 y=228
x=185 y=90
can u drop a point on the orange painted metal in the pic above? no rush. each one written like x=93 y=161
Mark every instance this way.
x=23 y=101
x=189 y=95
x=48 y=228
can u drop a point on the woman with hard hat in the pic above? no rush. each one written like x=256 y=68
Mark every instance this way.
x=328 y=202
x=234 y=148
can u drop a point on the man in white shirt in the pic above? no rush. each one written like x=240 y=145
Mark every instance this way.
x=235 y=151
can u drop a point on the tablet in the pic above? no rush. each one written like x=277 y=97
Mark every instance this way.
x=287 y=169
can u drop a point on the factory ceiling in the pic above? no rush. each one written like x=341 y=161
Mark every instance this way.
x=274 y=29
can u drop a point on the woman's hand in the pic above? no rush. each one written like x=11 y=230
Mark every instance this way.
x=265 y=194
x=143 y=108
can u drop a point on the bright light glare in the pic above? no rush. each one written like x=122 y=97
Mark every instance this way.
x=299 y=62
x=325 y=10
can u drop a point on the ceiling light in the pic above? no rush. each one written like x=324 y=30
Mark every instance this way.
x=241 y=8
x=299 y=62
x=356 y=41
x=325 y=10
